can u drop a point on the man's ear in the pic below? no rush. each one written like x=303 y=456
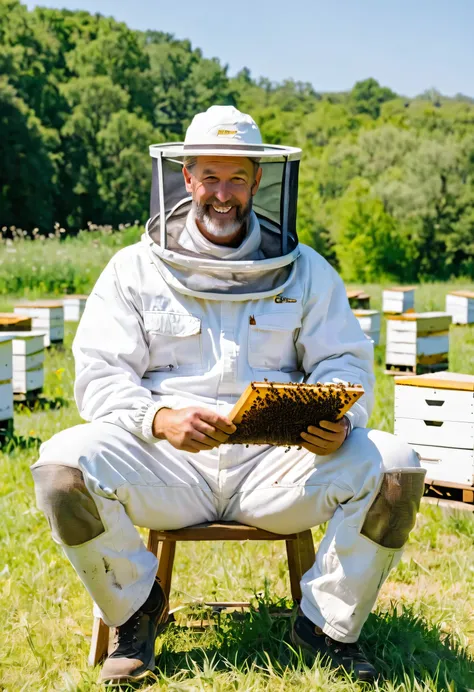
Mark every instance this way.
x=256 y=182
x=187 y=180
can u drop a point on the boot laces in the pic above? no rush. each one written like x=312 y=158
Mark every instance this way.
x=352 y=651
x=125 y=635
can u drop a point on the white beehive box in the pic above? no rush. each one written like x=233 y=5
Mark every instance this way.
x=28 y=361
x=47 y=316
x=434 y=413
x=398 y=299
x=418 y=339
x=460 y=305
x=6 y=357
x=369 y=321
x=6 y=391
x=74 y=307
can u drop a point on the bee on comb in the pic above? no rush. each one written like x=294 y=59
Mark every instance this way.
x=276 y=413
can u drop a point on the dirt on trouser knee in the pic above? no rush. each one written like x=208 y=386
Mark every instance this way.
x=63 y=497
x=392 y=514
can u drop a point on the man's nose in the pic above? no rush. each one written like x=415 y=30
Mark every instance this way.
x=223 y=192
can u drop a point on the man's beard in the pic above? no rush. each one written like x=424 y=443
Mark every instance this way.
x=226 y=227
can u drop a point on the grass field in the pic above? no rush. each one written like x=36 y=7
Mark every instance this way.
x=421 y=635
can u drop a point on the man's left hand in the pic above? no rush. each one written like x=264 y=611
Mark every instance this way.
x=325 y=438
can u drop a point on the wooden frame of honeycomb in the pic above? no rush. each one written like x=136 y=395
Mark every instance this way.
x=276 y=413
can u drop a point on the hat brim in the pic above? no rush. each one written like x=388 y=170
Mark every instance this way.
x=180 y=150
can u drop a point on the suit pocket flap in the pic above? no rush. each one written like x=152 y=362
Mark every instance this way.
x=171 y=323
x=278 y=321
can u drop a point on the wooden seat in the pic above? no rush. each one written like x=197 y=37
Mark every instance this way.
x=299 y=549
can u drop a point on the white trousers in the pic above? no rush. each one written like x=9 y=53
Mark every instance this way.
x=134 y=483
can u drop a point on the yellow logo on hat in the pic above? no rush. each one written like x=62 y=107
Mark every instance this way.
x=226 y=132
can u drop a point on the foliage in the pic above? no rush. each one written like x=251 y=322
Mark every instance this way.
x=82 y=96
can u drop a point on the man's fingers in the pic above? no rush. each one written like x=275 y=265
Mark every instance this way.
x=221 y=422
x=315 y=441
x=209 y=442
x=211 y=431
x=201 y=446
x=319 y=451
x=323 y=434
x=338 y=426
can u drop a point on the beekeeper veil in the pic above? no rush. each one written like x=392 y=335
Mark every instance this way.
x=264 y=262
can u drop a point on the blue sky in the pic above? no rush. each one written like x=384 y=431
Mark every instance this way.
x=408 y=45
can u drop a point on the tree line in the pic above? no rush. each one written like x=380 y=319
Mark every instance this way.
x=387 y=183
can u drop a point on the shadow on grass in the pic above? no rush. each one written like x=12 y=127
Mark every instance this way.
x=404 y=648
x=41 y=403
x=11 y=442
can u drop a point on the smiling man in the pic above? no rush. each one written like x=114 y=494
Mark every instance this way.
x=220 y=293
x=222 y=192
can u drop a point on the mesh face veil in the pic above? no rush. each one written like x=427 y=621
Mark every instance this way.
x=263 y=264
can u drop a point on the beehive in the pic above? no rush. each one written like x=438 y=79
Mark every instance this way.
x=28 y=361
x=276 y=413
x=460 y=305
x=399 y=299
x=11 y=322
x=6 y=391
x=418 y=341
x=358 y=299
x=369 y=321
x=47 y=316
x=434 y=413
x=74 y=307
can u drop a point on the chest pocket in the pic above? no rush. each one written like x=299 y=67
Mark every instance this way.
x=175 y=340
x=271 y=344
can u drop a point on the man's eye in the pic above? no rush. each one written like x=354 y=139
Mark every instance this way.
x=210 y=179
x=239 y=181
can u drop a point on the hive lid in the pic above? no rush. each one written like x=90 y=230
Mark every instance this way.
x=39 y=304
x=277 y=412
x=439 y=380
x=354 y=293
x=400 y=289
x=361 y=312
x=23 y=335
x=462 y=294
x=419 y=316
x=76 y=296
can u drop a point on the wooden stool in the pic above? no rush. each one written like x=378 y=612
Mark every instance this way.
x=299 y=549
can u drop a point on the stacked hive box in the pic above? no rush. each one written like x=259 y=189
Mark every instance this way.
x=369 y=321
x=47 y=316
x=9 y=322
x=28 y=362
x=74 y=307
x=358 y=299
x=398 y=300
x=460 y=305
x=418 y=341
x=435 y=415
x=6 y=391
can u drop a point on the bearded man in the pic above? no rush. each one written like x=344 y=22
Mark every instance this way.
x=217 y=294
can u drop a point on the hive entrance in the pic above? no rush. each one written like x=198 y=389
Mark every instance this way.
x=277 y=413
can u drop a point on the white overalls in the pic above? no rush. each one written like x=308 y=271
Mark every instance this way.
x=143 y=344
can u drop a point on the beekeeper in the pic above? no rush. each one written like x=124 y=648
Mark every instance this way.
x=217 y=294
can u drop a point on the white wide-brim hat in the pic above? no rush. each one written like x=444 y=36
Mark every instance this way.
x=224 y=131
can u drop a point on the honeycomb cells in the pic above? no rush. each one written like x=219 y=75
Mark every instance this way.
x=277 y=415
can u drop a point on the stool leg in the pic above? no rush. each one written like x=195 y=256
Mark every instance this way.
x=99 y=642
x=166 y=552
x=300 y=552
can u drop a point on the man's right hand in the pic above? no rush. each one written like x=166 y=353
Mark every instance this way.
x=192 y=429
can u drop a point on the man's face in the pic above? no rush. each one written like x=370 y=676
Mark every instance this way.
x=222 y=189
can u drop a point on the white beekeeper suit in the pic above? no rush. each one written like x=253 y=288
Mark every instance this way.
x=191 y=324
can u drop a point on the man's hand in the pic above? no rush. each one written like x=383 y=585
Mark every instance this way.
x=192 y=429
x=327 y=438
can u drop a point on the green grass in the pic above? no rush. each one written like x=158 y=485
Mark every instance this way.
x=421 y=634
